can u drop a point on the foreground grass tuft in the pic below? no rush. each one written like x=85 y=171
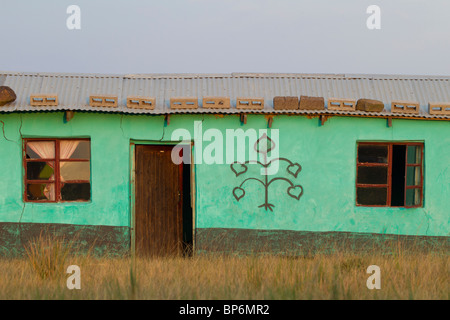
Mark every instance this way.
x=47 y=255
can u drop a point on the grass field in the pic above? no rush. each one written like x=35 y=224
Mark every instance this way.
x=404 y=275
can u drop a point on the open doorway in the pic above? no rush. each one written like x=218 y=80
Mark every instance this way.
x=163 y=212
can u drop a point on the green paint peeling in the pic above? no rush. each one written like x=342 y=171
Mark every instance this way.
x=326 y=153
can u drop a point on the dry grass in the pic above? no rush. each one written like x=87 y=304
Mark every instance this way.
x=47 y=254
x=325 y=276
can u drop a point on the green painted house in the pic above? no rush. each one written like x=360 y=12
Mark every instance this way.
x=161 y=163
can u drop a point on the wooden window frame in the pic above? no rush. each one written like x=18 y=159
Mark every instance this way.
x=388 y=185
x=57 y=180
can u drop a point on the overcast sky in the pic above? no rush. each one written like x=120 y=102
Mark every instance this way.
x=224 y=36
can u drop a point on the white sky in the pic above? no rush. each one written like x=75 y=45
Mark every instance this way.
x=224 y=36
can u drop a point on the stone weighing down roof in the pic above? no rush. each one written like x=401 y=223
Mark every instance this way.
x=109 y=93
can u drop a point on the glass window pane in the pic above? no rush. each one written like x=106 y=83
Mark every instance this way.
x=371 y=196
x=75 y=149
x=413 y=176
x=75 y=170
x=42 y=191
x=40 y=170
x=75 y=191
x=414 y=154
x=413 y=197
x=372 y=153
x=372 y=175
x=40 y=150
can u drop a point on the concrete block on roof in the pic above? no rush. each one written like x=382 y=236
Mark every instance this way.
x=439 y=108
x=216 y=102
x=250 y=103
x=285 y=103
x=184 y=103
x=400 y=106
x=311 y=103
x=103 y=101
x=7 y=95
x=370 y=105
x=140 y=102
x=43 y=100
x=341 y=104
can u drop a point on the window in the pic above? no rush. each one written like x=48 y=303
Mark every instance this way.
x=389 y=174
x=57 y=170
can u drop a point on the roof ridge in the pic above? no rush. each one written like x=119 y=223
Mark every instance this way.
x=230 y=75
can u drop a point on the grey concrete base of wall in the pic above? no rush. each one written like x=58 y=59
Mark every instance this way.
x=301 y=243
x=98 y=240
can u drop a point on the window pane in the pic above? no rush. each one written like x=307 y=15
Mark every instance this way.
x=413 y=176
x=412 y=197
x=414 y=154
x=372 y=175
x=372 y=153
x=40 y=150
x=75 y=171
x=75 y=149
x=371 y=196
x=40 y=170
x=75 y=191
x=43 y=191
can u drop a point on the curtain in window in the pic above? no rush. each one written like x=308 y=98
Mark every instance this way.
x=67 y=148
x=46 y=150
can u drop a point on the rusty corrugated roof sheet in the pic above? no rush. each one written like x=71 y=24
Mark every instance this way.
x=73 y=90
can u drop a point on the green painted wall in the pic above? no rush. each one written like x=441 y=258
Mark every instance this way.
x=327 y=154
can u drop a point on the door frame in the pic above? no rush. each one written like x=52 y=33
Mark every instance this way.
x=132 y=191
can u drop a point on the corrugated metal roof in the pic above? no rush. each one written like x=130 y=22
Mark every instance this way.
x=73 y=90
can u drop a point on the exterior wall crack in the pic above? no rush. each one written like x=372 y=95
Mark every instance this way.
x=20 y=132
x=163 y=130
x=20 y=222
x=428 y=221
x=121 y=127
x=4 y=134
x=20 y=128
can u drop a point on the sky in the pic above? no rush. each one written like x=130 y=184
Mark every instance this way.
x=225 y=36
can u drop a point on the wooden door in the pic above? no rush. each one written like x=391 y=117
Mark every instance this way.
x=158 y=211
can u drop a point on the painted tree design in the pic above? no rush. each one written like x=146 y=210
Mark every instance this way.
x=263 y=146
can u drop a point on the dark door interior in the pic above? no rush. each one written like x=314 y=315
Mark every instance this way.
x=398 y=175
x=163 y=214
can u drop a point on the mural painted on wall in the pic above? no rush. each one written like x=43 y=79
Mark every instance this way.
x=264 y=146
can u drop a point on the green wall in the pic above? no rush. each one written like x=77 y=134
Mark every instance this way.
x=326 y=153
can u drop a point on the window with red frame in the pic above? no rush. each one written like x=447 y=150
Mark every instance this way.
x=57 y=170
x=389 y=174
